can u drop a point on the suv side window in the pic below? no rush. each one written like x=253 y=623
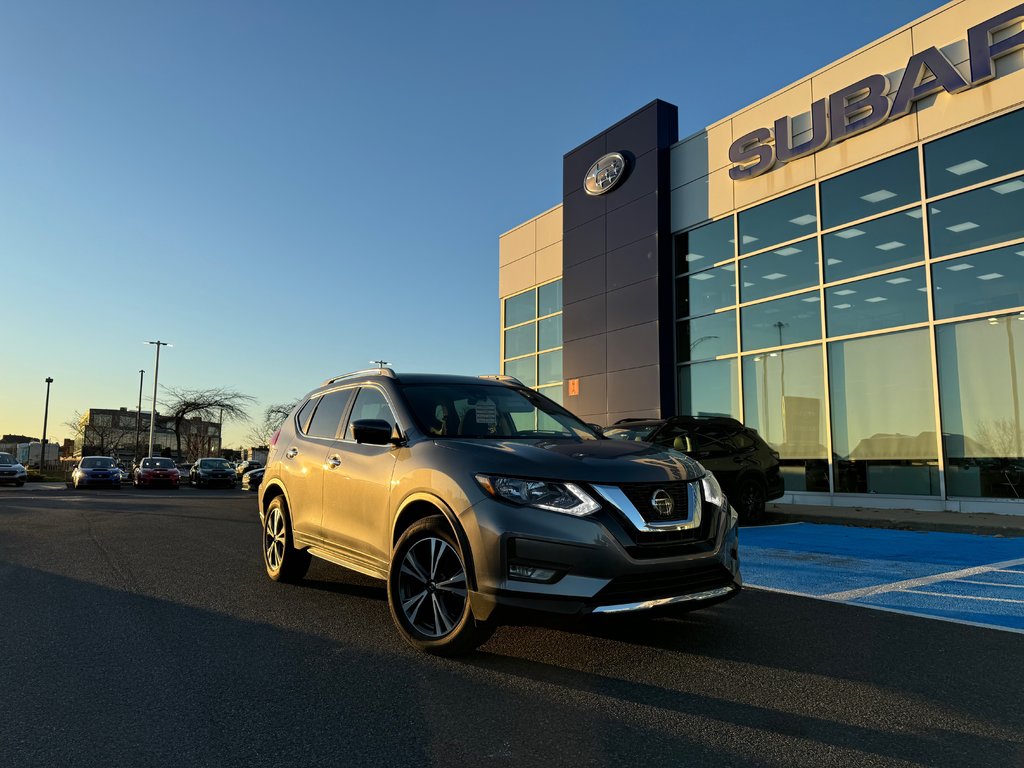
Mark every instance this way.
x=327 y=417
x=302 y=418
x=370 y=404
x=668 y=435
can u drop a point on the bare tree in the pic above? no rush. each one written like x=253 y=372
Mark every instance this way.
x=101 y=434
x=261 y=433
x=215 y=404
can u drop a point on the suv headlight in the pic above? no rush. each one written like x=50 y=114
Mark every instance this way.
x=567 y=498
x=712 y=490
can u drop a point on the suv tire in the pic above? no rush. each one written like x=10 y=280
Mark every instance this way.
x=428 y=592
x=750 y=499
x=280 y=557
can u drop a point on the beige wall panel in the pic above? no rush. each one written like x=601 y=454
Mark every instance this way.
x=953 y=23
x=951 y=110
x=549 y=228
x=794 y=101
x=517 y=276
x=780 y=179
x=874 y=143
x=549 y=263
x=720 y=193
x=517 y=243
x=719 y=141
x=884 y=58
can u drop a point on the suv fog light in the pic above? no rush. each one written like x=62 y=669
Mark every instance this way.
x=530 y=572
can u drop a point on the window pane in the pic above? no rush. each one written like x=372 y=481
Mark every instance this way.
x=780 y=271
x=978 y=154
x=704 y=246
x=327 y=417
x=980 y=386
x=985 y=216
x=370 y=404
x=873 y=189
x=553 y=393
x=521 y=340
x=784 y=219
x=521 y=308
x=878 y=302
x=549 y=333
x=704 y=292
x=874 y=245
x=983 y=282
x=783 y=321
x=549 y=366
x=549 y=298
x=784 y=400
x=709 y=389
x=524 y=369
x=706 y=337
x=883 y=415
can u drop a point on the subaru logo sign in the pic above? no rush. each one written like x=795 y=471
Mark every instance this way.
x=662 y=503
x=605 y=174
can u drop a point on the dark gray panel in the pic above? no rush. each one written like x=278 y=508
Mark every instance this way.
x=642 y=179
x=636 y=262
x=592 y=398
x=576 y=163
x=635 y=389
x=637 y=134
x=584 y=357
x=584 y=242
x=583 y=280
x=632 y=305
x=583 y=318
x=579 y=208
x=633 y=221
x=633 y=347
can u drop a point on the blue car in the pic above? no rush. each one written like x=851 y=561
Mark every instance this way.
x=95 y=470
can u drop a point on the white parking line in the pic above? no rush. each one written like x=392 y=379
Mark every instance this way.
x=991 y=584
x=1009 y=570
x=961 y=597
x=902 y=586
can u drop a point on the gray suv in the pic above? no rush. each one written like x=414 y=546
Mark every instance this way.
x=476 y=499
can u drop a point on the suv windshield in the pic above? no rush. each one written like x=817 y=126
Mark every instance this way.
x=491 y=411
x=214 y=464
x=6 y=458
x=638 y=434
x=97 y=463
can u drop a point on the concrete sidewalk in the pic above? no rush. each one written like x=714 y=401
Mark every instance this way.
x=901 y=519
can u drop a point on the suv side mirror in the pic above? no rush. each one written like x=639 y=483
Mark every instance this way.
x=596 y=427
x=372 y=431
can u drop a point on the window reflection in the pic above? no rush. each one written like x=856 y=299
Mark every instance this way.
x=549 y=367
x=985 y=216
x=977 y=154
x=709 y=389
x=704 y=246
x=780 y=271
x=786 y=218
x=520 y=308
x=706 y=337
x=524 y=369
x=874 y=245
x=984 y=282
x=549 y=333
x=883 y=415
x=873 y=189
x=704 y=292
x=549 y=298
x=783 y=321
x=981 y=381
x=887 y=301
x=784 y=400
x=520 y=341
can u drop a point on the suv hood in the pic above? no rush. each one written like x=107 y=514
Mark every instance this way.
x=591 y=461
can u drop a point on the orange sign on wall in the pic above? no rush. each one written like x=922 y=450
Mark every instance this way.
x=574 y=387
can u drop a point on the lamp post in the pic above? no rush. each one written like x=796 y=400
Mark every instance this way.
x=156 y=375
x=46 y=416
x=138 y=417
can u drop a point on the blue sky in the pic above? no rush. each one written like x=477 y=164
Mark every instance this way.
x=287 y=190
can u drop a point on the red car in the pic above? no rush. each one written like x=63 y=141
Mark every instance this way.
x=155 y=470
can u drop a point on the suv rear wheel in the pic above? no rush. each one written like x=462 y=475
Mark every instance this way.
x=280 y=557
x=750 y=499
x=428 y=591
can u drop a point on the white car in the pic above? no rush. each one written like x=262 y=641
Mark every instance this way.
x=11 y=470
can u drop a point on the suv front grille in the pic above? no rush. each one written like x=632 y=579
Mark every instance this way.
x=640 y=494
x=652 y=586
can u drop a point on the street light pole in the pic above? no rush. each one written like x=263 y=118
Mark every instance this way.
x=46 y=416
x=156 y=375
x=138 y=417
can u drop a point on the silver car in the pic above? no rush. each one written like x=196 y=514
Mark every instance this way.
x=478 y=499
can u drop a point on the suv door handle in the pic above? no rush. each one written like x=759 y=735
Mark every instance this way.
x=292 y=453
x=334 y=462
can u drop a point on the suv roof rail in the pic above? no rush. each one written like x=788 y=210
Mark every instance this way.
x=627 y=421
x=501 y=377
x=365 y=372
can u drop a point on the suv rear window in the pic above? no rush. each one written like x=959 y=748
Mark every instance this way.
x=328 y=414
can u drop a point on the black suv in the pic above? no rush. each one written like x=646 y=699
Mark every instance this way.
x=744 y=464
x=477 y=498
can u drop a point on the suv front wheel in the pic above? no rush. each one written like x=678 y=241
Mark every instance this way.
x=428 y=591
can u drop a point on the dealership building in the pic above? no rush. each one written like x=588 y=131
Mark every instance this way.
x=839 y=265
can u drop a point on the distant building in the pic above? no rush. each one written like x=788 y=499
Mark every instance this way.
x=110 y=432
x=10 y=443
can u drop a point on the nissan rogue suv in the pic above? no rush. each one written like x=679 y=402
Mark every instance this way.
x=476 y=499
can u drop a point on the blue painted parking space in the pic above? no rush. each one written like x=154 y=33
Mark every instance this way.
x=951 y=576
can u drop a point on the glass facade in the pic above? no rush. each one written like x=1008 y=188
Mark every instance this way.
x=874 y=331
x=532 y=338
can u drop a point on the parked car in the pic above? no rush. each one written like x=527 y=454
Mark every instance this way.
x=156 y=470
x=475 y=499
x=93 y=471
x=743 y=462
x=246 y=466
x=251 y=480
x=211 y=471
x=12 y=470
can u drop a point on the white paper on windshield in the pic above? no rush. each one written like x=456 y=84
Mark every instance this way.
x=486 y=413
